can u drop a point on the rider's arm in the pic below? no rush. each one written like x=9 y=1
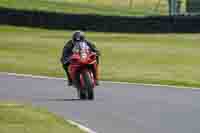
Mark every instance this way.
x=94 y=48
x=67 y=50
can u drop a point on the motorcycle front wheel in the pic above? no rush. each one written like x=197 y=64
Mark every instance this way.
x=88 y=85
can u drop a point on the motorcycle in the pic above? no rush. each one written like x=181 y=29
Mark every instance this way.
x=82 y=68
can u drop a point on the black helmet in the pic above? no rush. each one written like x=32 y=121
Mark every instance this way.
x=78 y=36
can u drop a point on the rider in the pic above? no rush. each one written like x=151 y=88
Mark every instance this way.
x=67 y=52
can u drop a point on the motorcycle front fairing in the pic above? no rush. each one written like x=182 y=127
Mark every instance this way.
x=77 y=64
x=81 y=60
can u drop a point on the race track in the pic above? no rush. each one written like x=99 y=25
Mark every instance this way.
x=118 y=108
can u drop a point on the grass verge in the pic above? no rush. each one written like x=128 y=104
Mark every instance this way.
x=24 y=119
x=171 y=59
x=141 y=8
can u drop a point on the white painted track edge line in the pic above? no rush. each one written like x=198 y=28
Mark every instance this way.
x=31 y=76
x=83 y=128
x=114 y=82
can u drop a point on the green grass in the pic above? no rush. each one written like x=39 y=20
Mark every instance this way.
x=171 y=59
x=25 y=119
x=101 y=7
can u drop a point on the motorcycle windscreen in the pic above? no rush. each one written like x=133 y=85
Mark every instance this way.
x=81 y=46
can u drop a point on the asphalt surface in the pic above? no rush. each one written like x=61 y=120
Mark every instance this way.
x=117 y=108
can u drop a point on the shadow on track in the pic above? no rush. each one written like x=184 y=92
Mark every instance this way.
x=48 y=99
x=55 y=99
x=62 y=100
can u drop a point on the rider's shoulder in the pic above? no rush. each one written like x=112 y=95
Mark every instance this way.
x=88 y=42
x=68 y=43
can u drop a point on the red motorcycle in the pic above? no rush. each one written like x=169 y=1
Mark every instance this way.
x=82 y=68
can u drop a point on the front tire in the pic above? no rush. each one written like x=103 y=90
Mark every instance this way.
x=80 y=91
x=82 y=95
x=88 y=85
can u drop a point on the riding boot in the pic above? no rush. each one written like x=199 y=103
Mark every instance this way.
x=69 y=79
x=68 y=74
x=96 y=75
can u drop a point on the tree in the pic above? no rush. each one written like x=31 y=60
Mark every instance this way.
x=172 y=7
